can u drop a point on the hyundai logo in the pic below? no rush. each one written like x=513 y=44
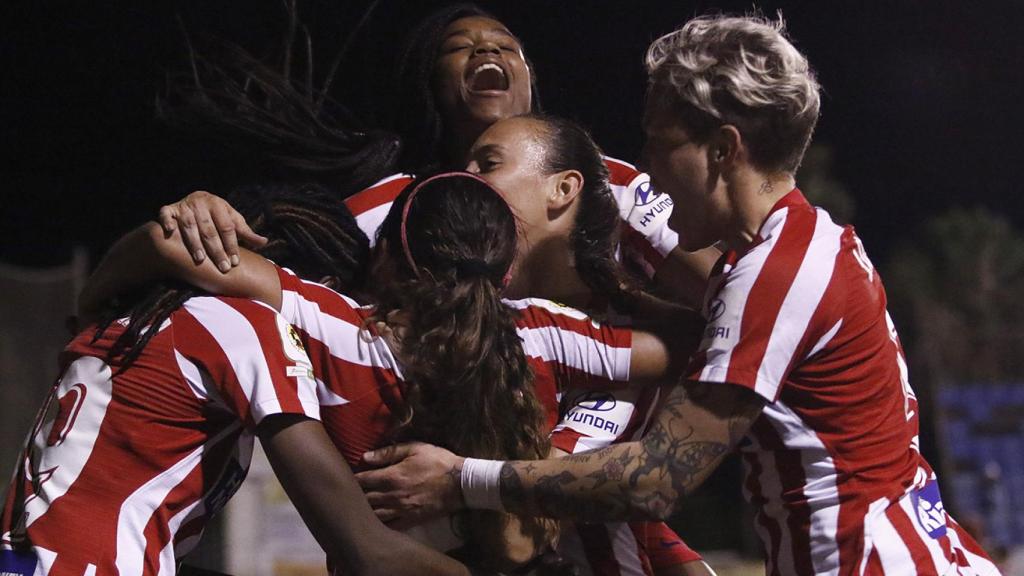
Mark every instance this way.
x=715 y=309
x=645 y=194
x=596 y=401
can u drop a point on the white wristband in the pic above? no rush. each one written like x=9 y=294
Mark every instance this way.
x=481 y=486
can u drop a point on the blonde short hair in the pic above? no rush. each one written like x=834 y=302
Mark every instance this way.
x=741 y=71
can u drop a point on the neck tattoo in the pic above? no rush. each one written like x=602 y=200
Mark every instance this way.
x=766 y=187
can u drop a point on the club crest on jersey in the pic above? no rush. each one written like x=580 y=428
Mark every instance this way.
x=291 y=342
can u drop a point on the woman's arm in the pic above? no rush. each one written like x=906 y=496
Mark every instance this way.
x=148 y=254
x=324 y=491
x=663 y=343
x=209 y=226
x=696 y=426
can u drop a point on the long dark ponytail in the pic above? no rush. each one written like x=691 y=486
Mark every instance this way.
x=467 y=385
x=595 y=234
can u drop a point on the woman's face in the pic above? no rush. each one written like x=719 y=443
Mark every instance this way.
x=480 y=75
x=510 y=156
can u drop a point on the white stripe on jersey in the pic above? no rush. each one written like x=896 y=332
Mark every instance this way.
x=553 y=344
x=819 y=486
x=802 y=299
x=194 y=377
x=139 y=506
x=825 y=339
x=89 y=378
x=625 y=549
x=237 y=338
x=341 y=338
x=978 y=565
x=719 y=350
x=553 y=307
x=772 y=511
x=46 y=560
x=371 y=221
x=570 y=348
x=892 y=552
x=934 y=549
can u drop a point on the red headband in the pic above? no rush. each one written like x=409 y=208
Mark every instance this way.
x=408 y=203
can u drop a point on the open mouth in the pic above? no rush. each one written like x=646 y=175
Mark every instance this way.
x=487 y=76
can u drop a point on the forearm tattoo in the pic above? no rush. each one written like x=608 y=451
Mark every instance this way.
x=637 y=480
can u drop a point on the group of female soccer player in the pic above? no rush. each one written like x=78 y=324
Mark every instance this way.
x=412 y=310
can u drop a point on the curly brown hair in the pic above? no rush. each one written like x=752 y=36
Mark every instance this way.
x=466 y=383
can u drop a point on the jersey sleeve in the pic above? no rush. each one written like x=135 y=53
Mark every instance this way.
x=663 y=546
x=253 y=358
x=371 y=206
x=761 y=306
x=646 y=237
x=581 y=352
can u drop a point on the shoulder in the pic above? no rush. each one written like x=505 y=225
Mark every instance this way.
x=621 y=173
x=565 y=323
x=383 y=192
x=302 y=299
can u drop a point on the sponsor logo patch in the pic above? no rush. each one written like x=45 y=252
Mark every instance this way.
x=14 y=563
x=931 y=515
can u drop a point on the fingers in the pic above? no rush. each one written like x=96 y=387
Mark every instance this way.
x=215 y=234
x=168 y=218
x=186 y=220
x=389 y=454
x=209 y=227
x=246 y=236
x=375 y=480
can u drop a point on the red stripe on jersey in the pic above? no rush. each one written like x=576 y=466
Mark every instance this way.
x=910 y=538
x=663 y=546
x=195 y=342
x=572 y=320
x=380 y=193
x=620 y=173
x=789 y=469
x=637 y=242
x=157 y=532
x=64 y=565
x=201 y=480
x=765 y=300
x=753 y=487
x=330 y=302
x=566 y=439
x=874 y=565
x=268 y=333
x=641 y=412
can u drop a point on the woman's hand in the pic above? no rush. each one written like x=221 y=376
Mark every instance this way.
x=209 y=227
x=420 y=482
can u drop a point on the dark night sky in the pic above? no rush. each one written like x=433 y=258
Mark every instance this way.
x=922 y=99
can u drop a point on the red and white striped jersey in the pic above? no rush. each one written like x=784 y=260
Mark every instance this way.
x=357 y=374
x=646 y=237
x=124 y=467
x=593 y=419
x=833 y=464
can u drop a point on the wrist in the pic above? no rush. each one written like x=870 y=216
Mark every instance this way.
x=480 y=481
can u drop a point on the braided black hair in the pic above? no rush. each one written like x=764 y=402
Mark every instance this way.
x=310 y=231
